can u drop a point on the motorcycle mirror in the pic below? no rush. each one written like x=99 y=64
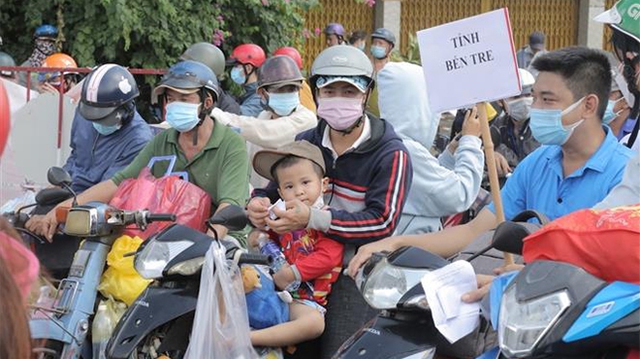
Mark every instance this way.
x=57 y=176
x=52 y=196
x=232 y=217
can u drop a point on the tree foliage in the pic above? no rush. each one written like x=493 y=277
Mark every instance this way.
x=151 y=33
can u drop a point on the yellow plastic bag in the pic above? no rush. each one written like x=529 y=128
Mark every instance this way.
x=121 y=280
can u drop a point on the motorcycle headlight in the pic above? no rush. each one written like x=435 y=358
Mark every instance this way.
x=523 y=325
x=154 y=257
x=386 y=284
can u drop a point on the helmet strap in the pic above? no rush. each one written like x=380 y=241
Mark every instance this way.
x=247 y=74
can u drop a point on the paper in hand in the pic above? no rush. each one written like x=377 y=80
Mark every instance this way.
x=444 y=288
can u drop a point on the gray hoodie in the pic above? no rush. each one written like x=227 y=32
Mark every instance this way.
x=442 y=186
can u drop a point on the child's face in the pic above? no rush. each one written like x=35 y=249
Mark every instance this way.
x=300 y=181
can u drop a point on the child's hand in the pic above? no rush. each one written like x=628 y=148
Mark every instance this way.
x=283 y=277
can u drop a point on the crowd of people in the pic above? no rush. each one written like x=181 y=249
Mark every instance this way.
x=349 y=152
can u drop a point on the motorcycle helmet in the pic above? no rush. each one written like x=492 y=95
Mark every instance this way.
x=6 y=60
x=279 y=71
x=292 y=53
x=108 y=94
x=46 y=31
x=385 y=35
x=208 y=54
x=56 y=60
x=247 y=54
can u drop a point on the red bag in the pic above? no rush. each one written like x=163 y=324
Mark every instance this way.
x=605 y=243
x=168 y=194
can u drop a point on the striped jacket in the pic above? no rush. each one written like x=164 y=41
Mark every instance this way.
x=368 y=186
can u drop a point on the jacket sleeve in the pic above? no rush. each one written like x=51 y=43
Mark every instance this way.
x=437 y=191
x=326 y=255
x=384 y=200
x=127 y=156
x=70 y=165
x=251 y=106
x=269 y=133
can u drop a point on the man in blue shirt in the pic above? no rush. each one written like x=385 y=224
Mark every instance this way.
x=106 y=135
x=579 y=163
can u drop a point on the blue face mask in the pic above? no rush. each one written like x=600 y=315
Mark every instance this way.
x=378 y=52
x=546 y=125
x=183 y=116
x=106 y=130
x=237 y=75
x=284 y=103
x=609 y=115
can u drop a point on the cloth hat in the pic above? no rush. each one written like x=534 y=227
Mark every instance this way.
x=359 y=82
x=536 y=40
x=265 y=160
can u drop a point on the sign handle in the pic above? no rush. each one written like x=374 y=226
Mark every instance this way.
x=493 y=171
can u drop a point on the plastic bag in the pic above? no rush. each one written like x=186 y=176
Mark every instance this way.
x=168 y=194
x=602 y=242
x=221 y=326
x=120 y=280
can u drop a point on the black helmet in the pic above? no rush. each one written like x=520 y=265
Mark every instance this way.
x=279 y=71
x=385 y=35
x=108 y=88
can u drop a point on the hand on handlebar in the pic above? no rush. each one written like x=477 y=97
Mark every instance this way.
x=45 y=226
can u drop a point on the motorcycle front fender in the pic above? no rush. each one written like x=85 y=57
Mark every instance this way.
x=155 y=307
x=385 y=337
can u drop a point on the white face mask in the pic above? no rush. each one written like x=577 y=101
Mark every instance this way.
x=519 y=108
x=319 y=203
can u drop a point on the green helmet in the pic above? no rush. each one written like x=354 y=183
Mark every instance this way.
x=6 y=60
x=207 y=54
x=624 y=16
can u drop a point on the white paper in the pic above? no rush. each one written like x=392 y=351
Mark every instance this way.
x=469 y=61
x=279 y=205
x=444 y=288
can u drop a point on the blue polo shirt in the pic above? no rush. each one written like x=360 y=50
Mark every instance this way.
x=538 y=182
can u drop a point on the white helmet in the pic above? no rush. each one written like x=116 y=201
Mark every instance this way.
x=526 y=81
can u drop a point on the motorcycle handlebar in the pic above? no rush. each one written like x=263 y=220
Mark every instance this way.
x=250 y=258
x=161 y=217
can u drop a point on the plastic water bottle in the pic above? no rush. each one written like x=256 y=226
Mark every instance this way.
x=271 y=248
x=101 y=330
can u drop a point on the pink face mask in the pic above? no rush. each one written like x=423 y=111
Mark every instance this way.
x=340 y=112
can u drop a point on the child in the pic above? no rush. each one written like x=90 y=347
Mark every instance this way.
x=314 y=259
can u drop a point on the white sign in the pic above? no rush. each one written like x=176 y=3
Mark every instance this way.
x=469 y=61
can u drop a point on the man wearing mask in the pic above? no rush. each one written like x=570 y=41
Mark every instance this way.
x=283 y=117
x=106 y=135
x=382 y=43
x=516 y=140
x=214 y=156
x=369 y=171
x=578 y=166
x=246 y=60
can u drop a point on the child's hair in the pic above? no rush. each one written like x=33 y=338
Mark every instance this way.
x=289 y=161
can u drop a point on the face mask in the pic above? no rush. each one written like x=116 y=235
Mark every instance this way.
x=546 y=125
x=45 y=46
x=284 y=103
x=609 y=115
x=340 y=112
x=519 y=109
x=237 y=75
x=361 y=47
x=378 y=52
x=182 y=116
x=106 y=130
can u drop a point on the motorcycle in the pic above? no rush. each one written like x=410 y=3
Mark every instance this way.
x=160 y=320
x=555 y=309
x=390 y=282
x=60 y=330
